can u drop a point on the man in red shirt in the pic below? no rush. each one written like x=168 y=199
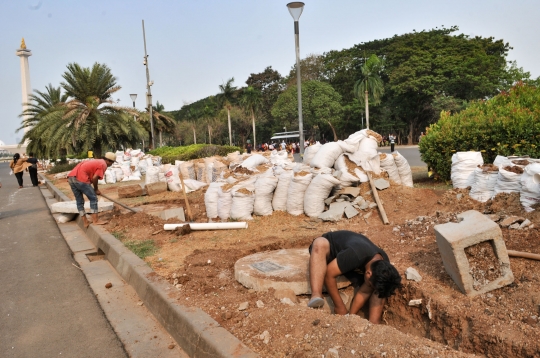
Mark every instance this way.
x=81 y=179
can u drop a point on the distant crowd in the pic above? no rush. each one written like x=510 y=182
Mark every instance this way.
x=290 y=147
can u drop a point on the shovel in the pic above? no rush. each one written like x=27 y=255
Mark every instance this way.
x=135 y=210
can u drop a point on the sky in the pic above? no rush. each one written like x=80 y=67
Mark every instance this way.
x=195 y=46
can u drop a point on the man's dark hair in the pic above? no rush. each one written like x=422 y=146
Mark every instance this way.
x=385 y=278
x=31 y=154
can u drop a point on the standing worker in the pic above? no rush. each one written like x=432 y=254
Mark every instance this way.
x=18 y=165
x=32 y=169
x=362 y=262
x=81 y=179
x=392 y=139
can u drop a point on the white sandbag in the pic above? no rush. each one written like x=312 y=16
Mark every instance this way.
x=264 y=193
x=367 y=156
x=483 y=185
x=173 y=180
x=404 y=169
x=243 y=198
x=346 y=173
x=347 y=148
x=501 y=161
x=463 y=166
x=389 y=165
x=152 y=175
x=310 y=152
x=508 y=181
x=355 y=138
x=211 y=199
x=530 y=189
x=188 y=171
x=194 y=185
x=143 y=164
x=136 y=153
x=135 y=161
x=119 y=156
x=254 y=161
x=280 y=158
x=214 y=168
x=102 y=181
x=317 y=191
x=161 y=177
x=297 y=189
x=326 y=155
x=110 y=176
x=235 y=157
x=224 y=203
x=119 y=173
x=63 y=218
x=200 y=168
x=279 y=201
x=131 y=178
x=126 y=168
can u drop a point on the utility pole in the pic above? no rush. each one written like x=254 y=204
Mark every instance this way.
x=148 y=91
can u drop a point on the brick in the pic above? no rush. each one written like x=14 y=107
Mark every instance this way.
x=130 y=191
x=452 y=240
x=155 y=188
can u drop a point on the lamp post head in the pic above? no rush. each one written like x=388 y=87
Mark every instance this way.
x=133 y=96
x=295 y=9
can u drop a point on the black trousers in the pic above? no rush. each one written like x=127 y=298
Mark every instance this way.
x=33 y=176
x=391 y=147
x=19 y=178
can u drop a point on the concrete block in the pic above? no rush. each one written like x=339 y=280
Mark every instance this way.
x=70 y=207
x=156 y=188
x=350 y=190
x=130 y=191
x=381 y=184
x=350 y=212
x=281 y=269
x=452 y=240
x=177 y=213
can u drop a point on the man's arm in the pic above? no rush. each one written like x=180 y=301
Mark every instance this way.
x=330 y=282
x=376 y=304
x=95 y=183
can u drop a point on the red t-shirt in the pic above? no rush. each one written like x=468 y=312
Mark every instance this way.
x=85 y=171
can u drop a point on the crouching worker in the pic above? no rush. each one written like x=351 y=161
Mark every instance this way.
x=81 y=179
x=362 y=262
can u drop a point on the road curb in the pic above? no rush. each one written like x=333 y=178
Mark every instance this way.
x=193 y=329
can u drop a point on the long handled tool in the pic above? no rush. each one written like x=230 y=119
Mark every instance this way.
x=377 y=200
x=189 y=216
x=526 y=255
x=136 y=210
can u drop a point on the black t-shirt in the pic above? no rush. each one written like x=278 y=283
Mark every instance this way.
x=352 y=252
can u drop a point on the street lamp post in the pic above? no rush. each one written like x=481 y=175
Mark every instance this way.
x=133 y=97
x=148 y=91
x=295 y=9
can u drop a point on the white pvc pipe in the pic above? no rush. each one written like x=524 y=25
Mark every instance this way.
x=209 y=226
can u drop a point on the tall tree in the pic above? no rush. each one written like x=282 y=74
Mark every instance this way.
x=89 y=118
x=321 y=105
x=162 y=122
x=251 y=100
x=370 y=84
x=226 y=98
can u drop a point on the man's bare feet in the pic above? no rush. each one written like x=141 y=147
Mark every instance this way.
x=85 y=221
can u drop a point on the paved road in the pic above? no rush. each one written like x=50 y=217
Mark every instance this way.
x=47 y=308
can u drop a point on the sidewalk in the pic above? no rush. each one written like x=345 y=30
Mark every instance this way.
x=47 y=308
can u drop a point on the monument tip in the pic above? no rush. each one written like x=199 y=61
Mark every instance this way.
x=23 y=45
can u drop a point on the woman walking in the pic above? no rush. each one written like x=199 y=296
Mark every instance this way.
x=32 y=169
x=18 y=165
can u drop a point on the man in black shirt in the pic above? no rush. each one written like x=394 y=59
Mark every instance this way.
x=362 y=262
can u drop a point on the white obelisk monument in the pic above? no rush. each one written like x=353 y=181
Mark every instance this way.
x=24 y=53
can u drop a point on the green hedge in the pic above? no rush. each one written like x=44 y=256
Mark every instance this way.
x=508 y=124
x=60 y=168
x=194 y=151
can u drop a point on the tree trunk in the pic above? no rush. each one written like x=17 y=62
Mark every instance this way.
x=333 y=130
x=194 y=135
x=230 y=132
x=143 y=144
x=367 y=110
x=97 y=149
x=209 y=134
x=160 y=138
x=411 y=131
x=254 y=136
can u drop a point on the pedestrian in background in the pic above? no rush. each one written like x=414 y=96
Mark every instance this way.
x=392 y=139
x=32 y=169
x=18 y=165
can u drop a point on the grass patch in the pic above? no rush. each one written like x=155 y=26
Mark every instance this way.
x=142 y=248
x=422 y=180
x=118 y=235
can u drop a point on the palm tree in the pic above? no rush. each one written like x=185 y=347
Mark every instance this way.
x=370 y=84
x=41 y=104
x=89 y=118
x=226 y=99
x=251 y=100
x=162 y=122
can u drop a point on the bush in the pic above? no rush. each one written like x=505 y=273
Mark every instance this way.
x=194 y=151
x=508 y=124
x=59 y=168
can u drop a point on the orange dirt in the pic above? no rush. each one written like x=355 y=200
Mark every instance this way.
x=502 y=323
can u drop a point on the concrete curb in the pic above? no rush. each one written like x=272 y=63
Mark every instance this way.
x=194 y=330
